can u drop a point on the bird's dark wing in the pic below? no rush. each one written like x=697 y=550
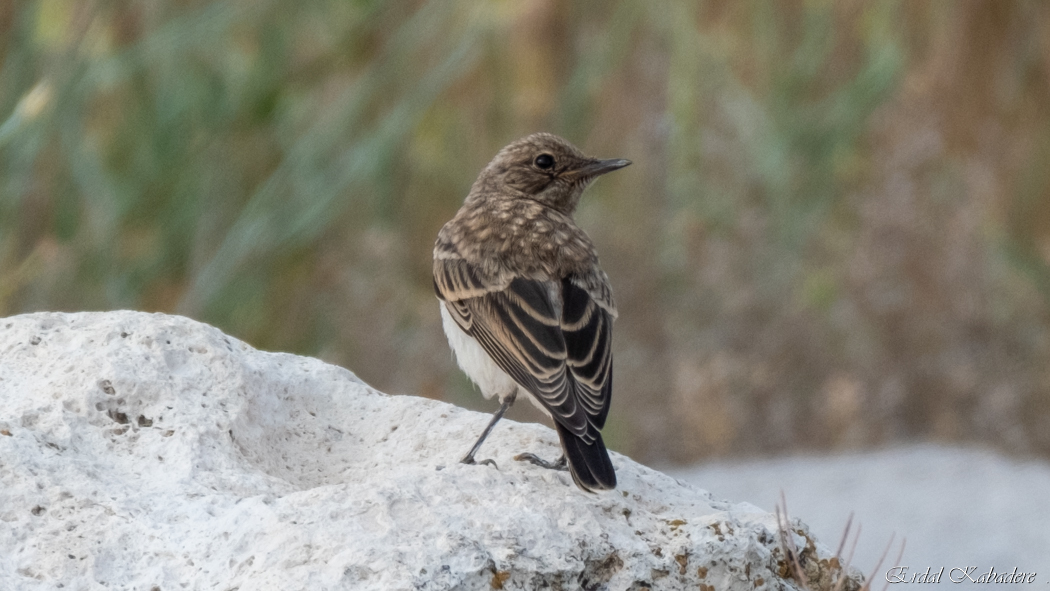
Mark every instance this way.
x=587 y=328
x=551 y=337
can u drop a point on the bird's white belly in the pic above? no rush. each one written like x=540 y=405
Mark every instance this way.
x=477 y=364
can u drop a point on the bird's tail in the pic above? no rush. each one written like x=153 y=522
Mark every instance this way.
x=589 y=464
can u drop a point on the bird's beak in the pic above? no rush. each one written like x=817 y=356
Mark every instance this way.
x=597 y=168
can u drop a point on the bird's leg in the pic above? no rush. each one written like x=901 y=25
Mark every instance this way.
x=559 y=464
x=469 y=458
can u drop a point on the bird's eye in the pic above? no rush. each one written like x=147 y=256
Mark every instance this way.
x=544 y=161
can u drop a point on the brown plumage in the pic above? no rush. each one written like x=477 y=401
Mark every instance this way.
x=525 y=305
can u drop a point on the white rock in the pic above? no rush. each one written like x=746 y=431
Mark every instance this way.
x=144 y=451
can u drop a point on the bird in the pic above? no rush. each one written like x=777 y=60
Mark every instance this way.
x=524 y=303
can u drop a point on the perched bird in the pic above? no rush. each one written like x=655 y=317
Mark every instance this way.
x=524 y=304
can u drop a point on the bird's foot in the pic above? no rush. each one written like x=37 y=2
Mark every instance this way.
x=559 y=464
x=469 y=460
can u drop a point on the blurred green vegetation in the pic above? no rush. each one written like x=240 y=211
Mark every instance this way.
x=836 y=232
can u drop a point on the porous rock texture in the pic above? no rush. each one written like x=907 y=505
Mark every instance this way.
x=153 y=452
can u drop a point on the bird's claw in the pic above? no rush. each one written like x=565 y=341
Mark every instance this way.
x=470 y=461
x=559 y=464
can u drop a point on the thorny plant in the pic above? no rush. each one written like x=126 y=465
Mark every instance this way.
x=794 y=560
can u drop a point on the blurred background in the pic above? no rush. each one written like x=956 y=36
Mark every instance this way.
x=835 y=234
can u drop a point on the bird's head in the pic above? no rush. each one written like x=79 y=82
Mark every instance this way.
x=545 y=168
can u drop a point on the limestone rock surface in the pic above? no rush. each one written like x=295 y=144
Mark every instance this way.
x=153 y=452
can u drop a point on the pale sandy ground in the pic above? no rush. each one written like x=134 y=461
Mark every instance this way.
x=957 y=507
